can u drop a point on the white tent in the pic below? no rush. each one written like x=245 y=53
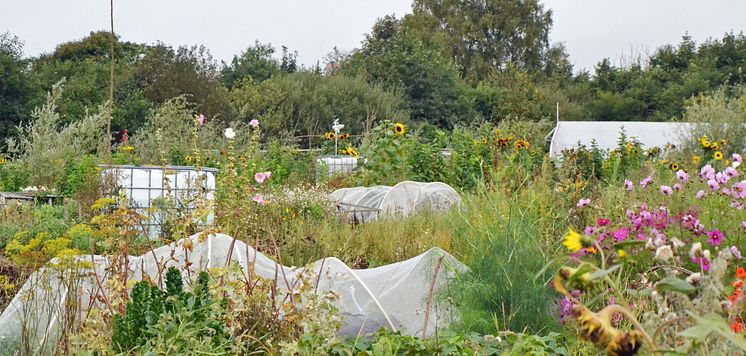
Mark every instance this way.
x=401 y=200
x=567 y=134
x=395 y=296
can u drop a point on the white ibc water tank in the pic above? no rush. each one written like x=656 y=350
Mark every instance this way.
x=144 y=184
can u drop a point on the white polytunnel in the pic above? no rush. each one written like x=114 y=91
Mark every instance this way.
x=400 y=296
x=403 y=199
x=568 y=134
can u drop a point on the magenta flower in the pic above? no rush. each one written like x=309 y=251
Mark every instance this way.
x=716 y=237
x=645 y=182
x=254 y=123
x=201 y=119
x=583 y=202
x=666 y=190
x=259 y=199
x=628 y=185
x=603 y=222
x=621 y=234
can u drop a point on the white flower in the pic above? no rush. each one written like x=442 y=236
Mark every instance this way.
x=696 y=250
x=677 y=244
x=694 y=278
x=229 y=133
x=664 y=253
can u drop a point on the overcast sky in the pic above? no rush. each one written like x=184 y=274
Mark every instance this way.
x=591 y=29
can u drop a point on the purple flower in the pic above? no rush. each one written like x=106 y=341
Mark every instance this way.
x=735 y=252
x=621 y=234
x=565 y=309
x=731 y=172
x=628 y=185
x=590 y=230
x=677 y=187
x=714 y=185
x=583 y=202
x=707 y=172
x=682 y=176
x=739 y=190
x=645 y=182
x=716 y=237
x=701 y=194
x=666 y=190
x=736 y=158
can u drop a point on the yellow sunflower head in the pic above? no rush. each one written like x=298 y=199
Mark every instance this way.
x=521 y=144
x=705 y=143
x=696 y=159
x=718 y=155
x=399 y=128
x=572 y=241
x=714 y=146
x=674 y=166
x=189 y=158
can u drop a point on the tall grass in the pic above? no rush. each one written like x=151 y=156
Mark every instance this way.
x=500 y=238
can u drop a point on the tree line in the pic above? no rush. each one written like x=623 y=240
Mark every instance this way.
x=448 y=63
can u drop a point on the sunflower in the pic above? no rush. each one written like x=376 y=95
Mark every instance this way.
x=696 y=159
x=714 y=146
x=399 y=128
x=718 y=155
x=128 y=149
x=3 y=159
x=503 y=141
x=344 y=136
x=674 y=166
x=330 y=136
x=521 y=144
x=189 y=158
x=351 y=152
x=705 y=143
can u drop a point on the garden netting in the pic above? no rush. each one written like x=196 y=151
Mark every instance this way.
x=403 y=199
x=395 y=296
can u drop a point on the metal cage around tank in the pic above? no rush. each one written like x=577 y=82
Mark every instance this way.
x=145 y=184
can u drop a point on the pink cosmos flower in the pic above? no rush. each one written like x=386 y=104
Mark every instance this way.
x=714 y=185
x=677 y=187
x=715 y=237
x=583 y=202
x=259 y=199
x=682 y=176
x=628 y=185
x=254 y=123
x=701 y=194
x=666 y=190
x=731 y=172
x=621 y=234
x=603 y=222
x=590 y=230
x=739 y=190
x=707 y=172
x=645 y=182
x=260 y=177
x=201 y=119
x=736 y=158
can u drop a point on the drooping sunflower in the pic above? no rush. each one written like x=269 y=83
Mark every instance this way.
x=674 y=166
x=399 y=128
x=521 y=144
x=718 y=155
x=503 y=141
x=714 y=146
x=344 y=136
x=351 y=152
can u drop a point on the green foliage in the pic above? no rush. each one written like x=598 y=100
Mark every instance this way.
x=79 y=173
x=156 y=319
x=254 y=62
x=14 y=86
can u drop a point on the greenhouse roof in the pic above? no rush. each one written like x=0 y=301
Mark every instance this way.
x=568 y=134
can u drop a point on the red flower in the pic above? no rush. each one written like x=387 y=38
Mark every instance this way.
x=736 y=326
x=740 y=272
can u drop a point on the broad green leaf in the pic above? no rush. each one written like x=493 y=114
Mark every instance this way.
x=675 y=285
